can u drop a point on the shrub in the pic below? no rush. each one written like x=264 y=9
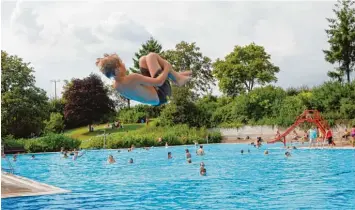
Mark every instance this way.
x=148 y=136
x=48 y=143
x=55 y=123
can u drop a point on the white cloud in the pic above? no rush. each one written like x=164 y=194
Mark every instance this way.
x=24 y=22
x=63 y=39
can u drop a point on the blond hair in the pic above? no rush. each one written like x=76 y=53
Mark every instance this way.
x=108 y=66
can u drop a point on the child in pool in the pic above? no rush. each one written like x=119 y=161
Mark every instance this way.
x=150 y=87
x=111 y=160
x=202 y=169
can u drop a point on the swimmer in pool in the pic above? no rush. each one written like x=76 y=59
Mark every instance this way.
x=200 y=151
x=266 y=152
x=188 y=155
x=203 y=171
x=130 y=160
x=287 y=154
x=111 y=160
x=76 y=154
x=33 y=157
x=169 y=155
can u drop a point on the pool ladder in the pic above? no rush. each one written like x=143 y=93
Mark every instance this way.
x=11 y=168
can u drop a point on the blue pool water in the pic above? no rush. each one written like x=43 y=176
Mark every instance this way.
x=310 y=179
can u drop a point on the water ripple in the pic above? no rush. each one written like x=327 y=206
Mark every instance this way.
x=317 y=179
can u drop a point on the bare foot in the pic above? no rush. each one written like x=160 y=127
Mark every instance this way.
x=186 y=73
x=182 y=80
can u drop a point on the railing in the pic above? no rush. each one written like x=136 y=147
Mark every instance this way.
x=11 y=168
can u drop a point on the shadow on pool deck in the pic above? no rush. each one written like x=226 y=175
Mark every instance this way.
x=16 y=186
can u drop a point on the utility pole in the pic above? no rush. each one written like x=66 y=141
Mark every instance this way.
x=55 y=87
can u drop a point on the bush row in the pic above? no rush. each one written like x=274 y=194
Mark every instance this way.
x=48 y=143
x=148 y=136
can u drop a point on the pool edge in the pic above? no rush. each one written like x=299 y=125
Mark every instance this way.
x=18 y=186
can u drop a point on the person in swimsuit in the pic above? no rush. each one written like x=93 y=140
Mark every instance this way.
x=200 y=151
x=352 y=133
x=110 y=159
x=202 y=169
x=188 y=156
x=151 y=87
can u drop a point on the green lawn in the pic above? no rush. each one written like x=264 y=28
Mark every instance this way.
x=84 y=134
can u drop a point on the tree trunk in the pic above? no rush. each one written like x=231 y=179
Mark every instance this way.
x=129 y=103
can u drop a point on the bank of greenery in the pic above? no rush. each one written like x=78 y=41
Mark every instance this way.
x=48 y=143
x=148 y=136
x=142 y=137
x=267 y=105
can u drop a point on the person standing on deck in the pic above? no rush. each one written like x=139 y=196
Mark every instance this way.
x=329 y=137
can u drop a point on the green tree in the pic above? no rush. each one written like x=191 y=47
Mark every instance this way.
x=206 y=107
x=151 y=45
x=24 y=107
x=291 y=107
x=55 y=123
x=341 y=38
x=87 y=102
x=181 y=109
x=187 y=56
x=243 y=69
x=57 y=105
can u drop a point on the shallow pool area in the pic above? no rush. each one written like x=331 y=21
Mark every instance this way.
x=309 y=179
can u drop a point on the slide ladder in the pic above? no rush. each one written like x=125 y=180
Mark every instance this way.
x=312 y=116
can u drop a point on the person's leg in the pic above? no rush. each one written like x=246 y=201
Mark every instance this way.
x=151 y=63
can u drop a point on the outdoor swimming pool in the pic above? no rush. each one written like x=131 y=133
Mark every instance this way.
x=310 y=179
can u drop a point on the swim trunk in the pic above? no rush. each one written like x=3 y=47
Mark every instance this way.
x=330 y=140
x=163 y=91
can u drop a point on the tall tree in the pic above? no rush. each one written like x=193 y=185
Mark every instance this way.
x=187 y=56
x=341 y=38
x=87 y=101
x=181 y=109
x=151 y=45
x=24 y=107
x=57 y=105
x=243 y=69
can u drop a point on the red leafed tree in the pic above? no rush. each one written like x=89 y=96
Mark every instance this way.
x=87 y=101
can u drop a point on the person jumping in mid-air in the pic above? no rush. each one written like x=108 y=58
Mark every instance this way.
x=150 y=87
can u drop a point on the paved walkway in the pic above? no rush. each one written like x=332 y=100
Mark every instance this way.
x=15 y=186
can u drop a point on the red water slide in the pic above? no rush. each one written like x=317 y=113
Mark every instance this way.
x=312 y=116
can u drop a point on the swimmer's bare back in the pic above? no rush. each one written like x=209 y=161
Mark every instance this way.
x=131 y=89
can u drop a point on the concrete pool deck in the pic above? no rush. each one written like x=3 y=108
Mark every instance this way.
x=17 y=186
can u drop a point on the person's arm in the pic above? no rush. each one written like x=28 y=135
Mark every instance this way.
x=149 y=81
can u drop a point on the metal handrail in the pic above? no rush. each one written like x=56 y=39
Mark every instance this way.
x=11 y=169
